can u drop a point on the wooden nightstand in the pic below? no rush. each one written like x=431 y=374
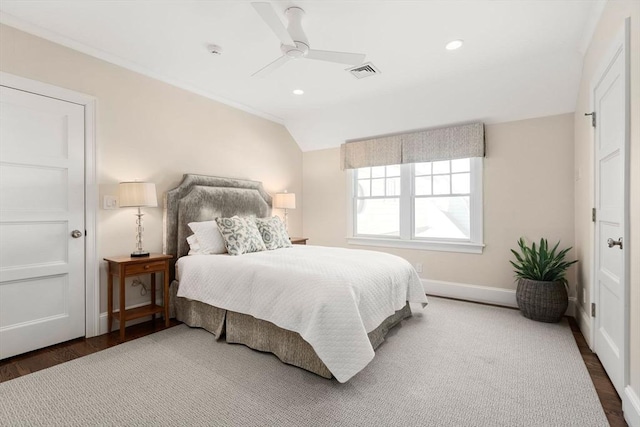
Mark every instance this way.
x=125 y=266
x=299 y=240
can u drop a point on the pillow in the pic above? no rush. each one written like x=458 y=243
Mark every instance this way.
x=274 y=233
x=194 y=246
x=240 y=235
x=208 y=237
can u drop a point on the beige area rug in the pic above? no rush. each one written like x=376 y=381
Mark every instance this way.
x=452 y=364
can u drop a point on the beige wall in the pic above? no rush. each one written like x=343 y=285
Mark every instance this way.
x=150 y=130
x=611 y=22
x=528 y=191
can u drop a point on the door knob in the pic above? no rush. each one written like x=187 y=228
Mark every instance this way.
x=611 y=243
x=76 y=234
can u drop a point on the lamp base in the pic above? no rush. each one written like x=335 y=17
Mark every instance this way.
x=139 y=254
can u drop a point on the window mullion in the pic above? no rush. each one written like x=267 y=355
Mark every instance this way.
x=406 y=202
x=352 y=179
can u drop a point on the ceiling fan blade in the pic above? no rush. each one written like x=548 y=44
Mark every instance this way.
x=270 y=67
x=269 y=16
x=340 y=57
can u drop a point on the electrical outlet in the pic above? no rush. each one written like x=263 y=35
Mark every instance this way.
x=419 y=267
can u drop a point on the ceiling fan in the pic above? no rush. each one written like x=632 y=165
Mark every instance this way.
x=294 y=41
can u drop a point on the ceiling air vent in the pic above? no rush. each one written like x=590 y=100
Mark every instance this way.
x=364 y=70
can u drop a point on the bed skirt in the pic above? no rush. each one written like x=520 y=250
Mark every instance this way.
x=262 y=335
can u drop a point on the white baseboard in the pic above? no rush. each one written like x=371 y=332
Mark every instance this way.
x=475 y=293
x=584 y=323
x=631 y=407
x=116 y=325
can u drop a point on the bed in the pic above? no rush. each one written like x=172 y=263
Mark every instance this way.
x=322 y=309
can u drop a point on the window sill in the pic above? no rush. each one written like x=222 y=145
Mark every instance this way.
x=462 y=247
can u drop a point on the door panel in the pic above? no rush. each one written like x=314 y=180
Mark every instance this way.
x=18 y=136
x=609 y=105
x=31 y=244
x=46 y=188
x=41 y=202
x=47 y=296
x=610 y=168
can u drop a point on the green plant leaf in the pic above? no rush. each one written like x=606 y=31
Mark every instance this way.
x=540 y=263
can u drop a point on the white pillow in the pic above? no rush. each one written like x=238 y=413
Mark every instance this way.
x=209 y=238
x=194 y=246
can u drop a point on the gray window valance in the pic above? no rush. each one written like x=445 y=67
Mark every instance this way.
x=371 y=152
x=447 y=143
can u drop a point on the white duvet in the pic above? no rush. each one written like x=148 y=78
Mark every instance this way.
x=332 y=297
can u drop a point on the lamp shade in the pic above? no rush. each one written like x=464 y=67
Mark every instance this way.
x=284 y=201
x=138 y=194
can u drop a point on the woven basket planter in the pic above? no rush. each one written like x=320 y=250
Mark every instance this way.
x=542 y=301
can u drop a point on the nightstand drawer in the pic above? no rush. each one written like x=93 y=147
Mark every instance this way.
x=146 y=267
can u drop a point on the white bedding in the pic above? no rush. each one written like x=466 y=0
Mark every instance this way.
x=332 y=297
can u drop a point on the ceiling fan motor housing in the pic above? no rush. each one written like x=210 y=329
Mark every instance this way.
x=300 y=50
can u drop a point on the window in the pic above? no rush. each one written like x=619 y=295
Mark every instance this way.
x=433 y=205
x=378 y=201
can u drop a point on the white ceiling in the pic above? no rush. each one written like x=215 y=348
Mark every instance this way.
x=521 y=58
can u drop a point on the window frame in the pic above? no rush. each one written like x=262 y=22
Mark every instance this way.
x=407 y=239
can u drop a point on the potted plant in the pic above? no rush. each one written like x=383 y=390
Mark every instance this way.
x=542 y=286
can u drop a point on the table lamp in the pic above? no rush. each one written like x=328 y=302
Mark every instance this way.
x=285 y=201
x=138 y=195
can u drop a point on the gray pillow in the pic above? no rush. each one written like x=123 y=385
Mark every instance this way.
x=274 y=233
x=240 y=235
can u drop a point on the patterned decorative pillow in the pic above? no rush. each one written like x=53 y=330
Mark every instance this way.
x=274 y=233
x=240 y=235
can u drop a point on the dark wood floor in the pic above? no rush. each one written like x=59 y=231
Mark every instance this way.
x=40 y=359
x=27 y=363
x=606 y=392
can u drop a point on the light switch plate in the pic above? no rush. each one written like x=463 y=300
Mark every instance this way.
x=110 y=202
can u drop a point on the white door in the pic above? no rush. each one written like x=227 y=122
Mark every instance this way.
x=610 y=101
x=42 y=285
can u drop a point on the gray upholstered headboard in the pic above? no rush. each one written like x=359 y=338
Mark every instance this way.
x=204 y=198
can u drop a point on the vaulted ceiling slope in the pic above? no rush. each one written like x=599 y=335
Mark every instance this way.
x=520 y=59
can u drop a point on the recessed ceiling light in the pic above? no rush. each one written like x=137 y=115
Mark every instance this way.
x=298 y=92
x=454 y=44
